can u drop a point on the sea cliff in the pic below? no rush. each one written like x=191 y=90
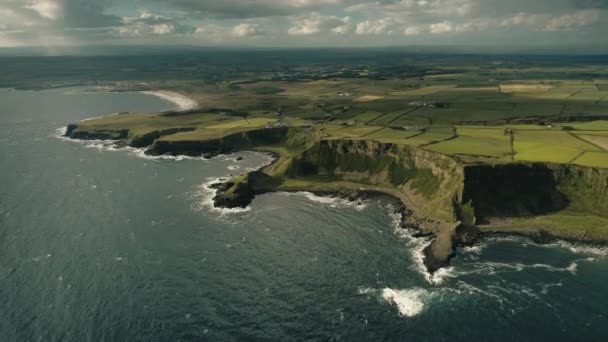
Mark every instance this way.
x=450 y=201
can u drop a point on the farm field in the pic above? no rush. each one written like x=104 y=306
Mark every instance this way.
x=598 y=159
x=477 y=141
x=550 y=146
x=556 y=113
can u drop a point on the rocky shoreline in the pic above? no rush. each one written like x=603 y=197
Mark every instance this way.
x=459 y=229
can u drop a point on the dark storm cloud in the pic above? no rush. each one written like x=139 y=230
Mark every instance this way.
x=254 y=8
x=87 y=13
x=590 y=3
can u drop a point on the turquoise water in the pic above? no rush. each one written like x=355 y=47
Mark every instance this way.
x=97 y=245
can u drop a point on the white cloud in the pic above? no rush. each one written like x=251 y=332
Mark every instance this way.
x=544 y=22
x=442 y=27
x=245 y=30
x=380 y=26
x=148 y=23
x=49 y=9
x=316 y=24
x=572 y=21
x=413 y=30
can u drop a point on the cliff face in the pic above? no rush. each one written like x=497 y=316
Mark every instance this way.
x=227 y=144
x=432 y=183
x=586 y=188
x=518 y=190
x=73 y=132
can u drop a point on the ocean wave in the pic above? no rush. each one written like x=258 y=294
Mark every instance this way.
x=416 y=246
x=409 y=302
x=581 y=249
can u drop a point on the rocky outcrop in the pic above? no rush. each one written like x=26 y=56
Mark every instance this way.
x=233 y=194
x=73 y=132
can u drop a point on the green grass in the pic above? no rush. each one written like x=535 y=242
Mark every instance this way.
x=392 y=136
x=139 y=124
x=589 y=126
x=469 y=99
x=567 y=224
x=253 y=122
x=389 y=117
x=597 y=159
x=488 y=142
x=429 y=137
x=423 y=91
x=339 y=131
x=549 y=146
x=366 y=116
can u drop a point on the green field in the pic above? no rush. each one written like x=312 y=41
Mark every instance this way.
x=599 y=159
x=549 y=146
x=475 y=141
x=554 y=111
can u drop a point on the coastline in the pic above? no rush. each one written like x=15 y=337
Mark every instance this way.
x=443 y=237
x=182 y=102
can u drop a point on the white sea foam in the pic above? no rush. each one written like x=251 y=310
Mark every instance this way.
x=408 y=302
x=581 y=249
x=181 y=101
x=416 y=246
x=206 y=194
x=331 y=201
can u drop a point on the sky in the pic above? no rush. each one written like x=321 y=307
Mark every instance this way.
x=304 y=23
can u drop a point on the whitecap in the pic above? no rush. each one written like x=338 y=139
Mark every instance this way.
x=409 y=302
x=581 y=249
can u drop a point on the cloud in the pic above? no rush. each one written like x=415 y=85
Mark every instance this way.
x=49 y=9
x=590 y=3
x=380 y=26
x=312 y=22
x=152 y=24
x=316 y=24
x=442 y=27
x=413 y=30
x=240 y=9
x=543 y=22
x=246 y=30
x=572 y=21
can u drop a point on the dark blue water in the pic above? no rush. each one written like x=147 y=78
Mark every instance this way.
x=101 y=245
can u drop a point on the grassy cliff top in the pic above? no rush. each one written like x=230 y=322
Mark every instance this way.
x=469 y=114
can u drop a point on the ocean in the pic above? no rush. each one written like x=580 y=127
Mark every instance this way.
x=99 y=244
